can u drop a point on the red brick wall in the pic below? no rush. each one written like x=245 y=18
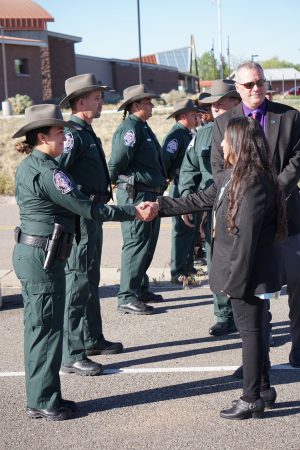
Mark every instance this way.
x=30 y=84
x=62 y=64
x=159 y=81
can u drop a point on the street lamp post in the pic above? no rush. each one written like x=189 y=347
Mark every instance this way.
x=4 y=62
x=254 y=56
x=6 y=105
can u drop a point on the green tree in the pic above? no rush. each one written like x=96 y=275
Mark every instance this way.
x=276 y=63
x=208 y=67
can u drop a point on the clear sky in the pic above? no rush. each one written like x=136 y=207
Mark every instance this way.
x=109 y=27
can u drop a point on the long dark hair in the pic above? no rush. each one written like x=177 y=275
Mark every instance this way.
x=30 y=140
x=250 y=150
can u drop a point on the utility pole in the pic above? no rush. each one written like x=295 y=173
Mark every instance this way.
x=228 y=54
x=140 y=45
x=220 y=39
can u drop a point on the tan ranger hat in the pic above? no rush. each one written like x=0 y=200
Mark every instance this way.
x=39 y=116
x=134 y=93
x=80 y=85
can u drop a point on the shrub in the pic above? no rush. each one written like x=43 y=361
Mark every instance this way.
x=20 y=103
x=172 y=96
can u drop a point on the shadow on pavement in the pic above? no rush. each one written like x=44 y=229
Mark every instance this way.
x=12 y=301
x=176 y=355
x=187 y=390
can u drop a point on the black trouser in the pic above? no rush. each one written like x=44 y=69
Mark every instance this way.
x=250 y=316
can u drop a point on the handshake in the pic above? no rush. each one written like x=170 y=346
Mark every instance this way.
x=146 y=211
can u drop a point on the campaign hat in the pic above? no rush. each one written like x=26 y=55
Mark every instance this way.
x=182 y=106
x=40 y=116
x=135 y=93
x=80 y=85
x=221 y=89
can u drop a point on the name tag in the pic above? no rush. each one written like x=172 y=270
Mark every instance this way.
x=93 y=145
x=149 y=140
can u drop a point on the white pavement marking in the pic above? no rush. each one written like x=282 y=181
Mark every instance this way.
x=164 y=370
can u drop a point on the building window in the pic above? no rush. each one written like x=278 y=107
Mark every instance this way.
x=21 y=66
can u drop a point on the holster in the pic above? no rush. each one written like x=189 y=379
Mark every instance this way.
x=128 y=186
x=59 y=245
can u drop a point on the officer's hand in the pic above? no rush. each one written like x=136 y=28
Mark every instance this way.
x=146 y=211
x=187 y=218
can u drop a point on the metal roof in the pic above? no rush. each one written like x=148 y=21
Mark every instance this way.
x=23 y=9
x=283 y=73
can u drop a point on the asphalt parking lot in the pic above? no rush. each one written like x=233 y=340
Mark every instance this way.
x=167 y=388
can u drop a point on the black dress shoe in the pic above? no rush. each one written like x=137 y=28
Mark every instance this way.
x=135 y=308
x=244 y=410
x=269 y=397
x=68 y=404
x=61 y=413
x=294 y=363
x=222 y=328
x=150 y=297
x=105 y=348
x=83 y=367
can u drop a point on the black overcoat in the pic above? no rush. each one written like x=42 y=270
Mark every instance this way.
x=248 y=262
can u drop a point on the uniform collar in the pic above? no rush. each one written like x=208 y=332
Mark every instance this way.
x=41 y=155
x=136 y=118
x=80 y=122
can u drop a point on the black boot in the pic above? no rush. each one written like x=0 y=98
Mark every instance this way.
x=269 y=397
x=244 y=410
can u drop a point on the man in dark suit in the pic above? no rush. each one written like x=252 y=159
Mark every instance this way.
x=281 y=124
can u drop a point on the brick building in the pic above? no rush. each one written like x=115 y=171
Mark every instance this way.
x=38 y=61
x=33 y=54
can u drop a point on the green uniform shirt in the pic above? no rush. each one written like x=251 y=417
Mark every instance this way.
x=174 y=147
x=195 y=172
x=136 y=151
x=47 y=195
x=84 y=158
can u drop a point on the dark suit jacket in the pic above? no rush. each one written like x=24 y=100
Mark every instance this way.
x=283 y=135
x=247 y=262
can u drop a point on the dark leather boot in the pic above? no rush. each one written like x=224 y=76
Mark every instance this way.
x=269 y=397
x=244 y=410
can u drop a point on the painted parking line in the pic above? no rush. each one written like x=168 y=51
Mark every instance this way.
x=163 y=370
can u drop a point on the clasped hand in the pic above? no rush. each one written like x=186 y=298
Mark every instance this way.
x=146 y=211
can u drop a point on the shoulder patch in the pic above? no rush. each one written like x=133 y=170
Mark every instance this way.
x=62 y=182
x=69 y=142
x=129 y=138
x=172 y=146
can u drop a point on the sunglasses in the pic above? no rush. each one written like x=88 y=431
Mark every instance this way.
x=251 y=84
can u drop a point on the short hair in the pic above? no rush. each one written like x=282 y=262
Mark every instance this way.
x=250 y=65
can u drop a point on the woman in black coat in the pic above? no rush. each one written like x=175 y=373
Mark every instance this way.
x=248 y=216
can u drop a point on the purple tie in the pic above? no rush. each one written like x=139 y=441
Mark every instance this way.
x=256 y=115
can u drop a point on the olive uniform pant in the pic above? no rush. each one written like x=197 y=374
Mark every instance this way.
x=44 y=297
x=139 y=243
x=183 y=241
x=82 y=320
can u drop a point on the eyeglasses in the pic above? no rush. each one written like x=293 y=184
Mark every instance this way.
x=251 y=84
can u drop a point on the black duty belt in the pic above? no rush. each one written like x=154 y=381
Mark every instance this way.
x=33 y=241
x=139 y=187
